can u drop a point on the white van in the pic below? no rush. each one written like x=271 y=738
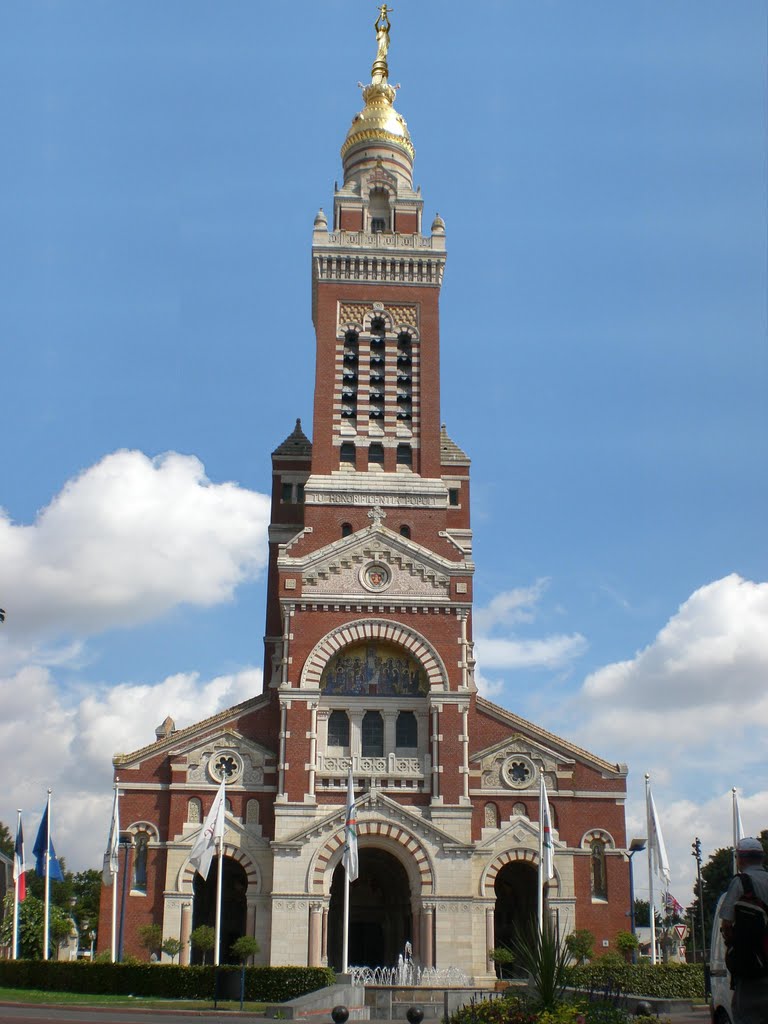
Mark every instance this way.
x=722 y=995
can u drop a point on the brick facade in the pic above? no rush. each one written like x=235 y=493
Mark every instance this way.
x=369 y=661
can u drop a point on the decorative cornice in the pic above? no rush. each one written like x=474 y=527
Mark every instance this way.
x=377 y=135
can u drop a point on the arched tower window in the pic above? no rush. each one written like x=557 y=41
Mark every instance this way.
x=338 y=729
x=346 y=529
x=347 y=454
x=404 y=455
x=378 y=208
x=599 y=878
x=252 y=812
x=140 y=844
x=521 y=809
x=406 y=730
x=376 y=454
x=372 y=734
x=405 y=531
x=194 y=810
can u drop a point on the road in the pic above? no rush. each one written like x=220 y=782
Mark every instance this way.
x=29 y=1013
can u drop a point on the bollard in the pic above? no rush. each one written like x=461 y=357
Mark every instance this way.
x=339 y=1014
x=415 y=1015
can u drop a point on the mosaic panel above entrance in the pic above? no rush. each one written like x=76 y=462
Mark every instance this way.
x=373 y=669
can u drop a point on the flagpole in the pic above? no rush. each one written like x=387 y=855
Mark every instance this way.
x=114 y=881
x=651 y=907
x=345 y=944
x=737 y=827
x=220 y=865
x=217 y=940
x=16 y=883
x=540 y=895
x=47 y=864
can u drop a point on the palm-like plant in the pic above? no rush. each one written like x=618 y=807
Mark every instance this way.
x=545 y=957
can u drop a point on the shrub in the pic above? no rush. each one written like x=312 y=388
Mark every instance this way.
x=265 y=984
x=580 y=944
x=665 y=981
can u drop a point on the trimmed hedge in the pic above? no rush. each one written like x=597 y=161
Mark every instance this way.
x=665 y=981
x=161 y=981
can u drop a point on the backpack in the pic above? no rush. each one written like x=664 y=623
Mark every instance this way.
x=747 y=957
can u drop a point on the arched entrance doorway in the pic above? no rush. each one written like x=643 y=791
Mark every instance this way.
x=234 y=884
x=380 y=912
x=516 y=902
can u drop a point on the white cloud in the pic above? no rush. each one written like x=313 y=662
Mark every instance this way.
x=123 y=543
x=510 y=606
x=509 y=651
x=69 y=746
x=691 y=709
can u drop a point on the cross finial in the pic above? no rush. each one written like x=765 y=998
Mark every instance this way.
x=376 y=515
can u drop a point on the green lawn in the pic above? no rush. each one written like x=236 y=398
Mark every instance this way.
x=31 y=995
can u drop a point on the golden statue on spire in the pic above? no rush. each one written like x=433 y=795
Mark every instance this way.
x=380 y=71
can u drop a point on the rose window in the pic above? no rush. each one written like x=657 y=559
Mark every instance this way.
x=519 y=772
x=227 y=765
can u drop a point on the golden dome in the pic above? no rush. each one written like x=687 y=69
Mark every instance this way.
x=378 y=120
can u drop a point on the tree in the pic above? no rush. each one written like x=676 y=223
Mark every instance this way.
x=151 y=937
x=580 y=944
x=626 y=943
x=31 y=916
x=171 y=947
x=244 y=947
x=86 y=893
x=7 y=844
x=203 y=939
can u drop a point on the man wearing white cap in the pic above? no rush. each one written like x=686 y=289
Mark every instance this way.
x=750 y=995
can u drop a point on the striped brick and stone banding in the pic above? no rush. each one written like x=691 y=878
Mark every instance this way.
x=374 y=629
x=488 y=880
x=379 y=834
x=252 y=874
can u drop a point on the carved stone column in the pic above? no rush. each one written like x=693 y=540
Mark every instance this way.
x=490 y=939
x=324 y=953
x=184 y=932
x=315 y=934
x=428 y=934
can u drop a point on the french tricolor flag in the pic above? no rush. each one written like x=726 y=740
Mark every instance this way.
x=19 y=866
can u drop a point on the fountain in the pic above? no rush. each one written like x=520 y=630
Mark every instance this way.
x=408 y=974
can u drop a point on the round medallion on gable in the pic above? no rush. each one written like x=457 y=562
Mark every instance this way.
x=519 y=771
x=375 y=577
x=225 y=764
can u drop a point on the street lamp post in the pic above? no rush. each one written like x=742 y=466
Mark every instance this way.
x=126 y=841
x=635 y=846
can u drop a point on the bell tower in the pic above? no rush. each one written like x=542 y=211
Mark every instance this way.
x=371 y=541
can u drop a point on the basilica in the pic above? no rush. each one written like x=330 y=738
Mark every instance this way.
x=369 y=660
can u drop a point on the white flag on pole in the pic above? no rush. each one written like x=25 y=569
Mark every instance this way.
x=112 y=854
x=350 y=857
x=656 y=841
x=213 y=829
x=547 y=850
x=738 y=828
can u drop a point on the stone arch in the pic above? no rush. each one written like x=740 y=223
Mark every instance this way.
x=488 y=877
x=137 y=827
x=251 y=868
x=374 y=629
x=387 y=835
x=377 y=314
x=597 y=834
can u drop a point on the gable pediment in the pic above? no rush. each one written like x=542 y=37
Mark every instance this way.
x=519 y=831
x=343 y=568
x=375 y=806
x=246 y=758
x=516 y=764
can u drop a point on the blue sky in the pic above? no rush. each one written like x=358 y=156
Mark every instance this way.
x=601 y=169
